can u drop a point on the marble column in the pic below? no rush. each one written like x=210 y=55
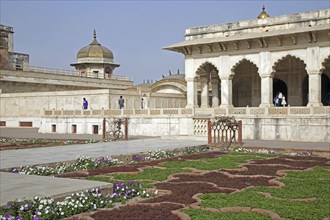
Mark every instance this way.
x=226 y=92
x=314 y=88
x=191 y=93
x=215 y=93
x=266 y=91
x=204 y=93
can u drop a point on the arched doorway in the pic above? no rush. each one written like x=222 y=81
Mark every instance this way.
x=305 y=91
x=292 y=72
x=280 y=86
x=325 y=83
x=208 y=86
x=325 y=89
x=246 y=85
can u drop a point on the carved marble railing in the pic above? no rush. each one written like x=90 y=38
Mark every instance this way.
x=119 y=112
x=244 y=111
x=273 y=111
x=41 y=69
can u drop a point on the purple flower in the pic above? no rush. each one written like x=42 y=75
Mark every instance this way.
x=36 y=218
x=20 y=218
x=14 y=170
x=9 y=207
x=8 y=215
x=26 y=207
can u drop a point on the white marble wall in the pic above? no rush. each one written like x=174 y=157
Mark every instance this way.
x=309 y=129
x=146 y=126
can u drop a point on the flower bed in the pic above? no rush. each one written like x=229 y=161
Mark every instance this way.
x=87 y=163
x=138 y=212
x=217 y=182
x=89 y=200
x=135 y=167
x=182 y=189
x=17 y=143
x=82 y=163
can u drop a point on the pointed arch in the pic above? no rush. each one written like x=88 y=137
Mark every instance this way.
x=326 y=66
x=292 y=71
x=243 y=61
x=246 y=84
x=206 y=67
x=280 y=61
x=209 y=81
x=325 y=82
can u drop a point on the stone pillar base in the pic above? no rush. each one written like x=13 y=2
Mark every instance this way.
x=192 y=106
x=226 y=106
x=314 y=104
x=264 y=105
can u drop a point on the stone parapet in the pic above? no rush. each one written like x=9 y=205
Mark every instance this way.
x=240 y=112
x=97 y=113
x=256 y=26
x=61 y=80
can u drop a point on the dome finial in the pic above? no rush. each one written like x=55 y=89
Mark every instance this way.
x=263 y=14
x=94 y=42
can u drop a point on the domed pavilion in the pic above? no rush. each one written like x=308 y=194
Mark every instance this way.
x=95 y=60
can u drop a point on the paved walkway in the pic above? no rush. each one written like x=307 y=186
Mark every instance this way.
x=13 y=186
x=295 y=145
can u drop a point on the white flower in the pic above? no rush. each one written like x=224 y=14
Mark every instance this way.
x=40 y=207
x=156 y=192
x=62 y=213
x=22 y=208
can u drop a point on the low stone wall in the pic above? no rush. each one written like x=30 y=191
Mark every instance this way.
x=287 y=124
x=145 y=126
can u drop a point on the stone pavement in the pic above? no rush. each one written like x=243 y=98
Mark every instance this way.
x=16 y=186
x=13 y=186
x=294 y=145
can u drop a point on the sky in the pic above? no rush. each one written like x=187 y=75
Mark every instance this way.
x=52 y=32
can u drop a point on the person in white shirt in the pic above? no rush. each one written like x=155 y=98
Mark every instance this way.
x=283 y=101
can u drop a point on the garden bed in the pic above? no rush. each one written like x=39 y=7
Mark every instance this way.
x=179 y=192
x=16 y=144
x=206 y=185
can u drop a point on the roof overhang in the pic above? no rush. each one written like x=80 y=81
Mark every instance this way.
x=182 y=44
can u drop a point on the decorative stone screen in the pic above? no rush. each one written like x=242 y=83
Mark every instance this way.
x=223 y=131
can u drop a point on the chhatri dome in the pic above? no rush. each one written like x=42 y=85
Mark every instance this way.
x=95 y=50
x=95 y=60
x=263 y=14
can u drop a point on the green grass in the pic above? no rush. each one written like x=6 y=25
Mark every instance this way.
x=196 y=214
x=305 y=184
x=227 y=161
